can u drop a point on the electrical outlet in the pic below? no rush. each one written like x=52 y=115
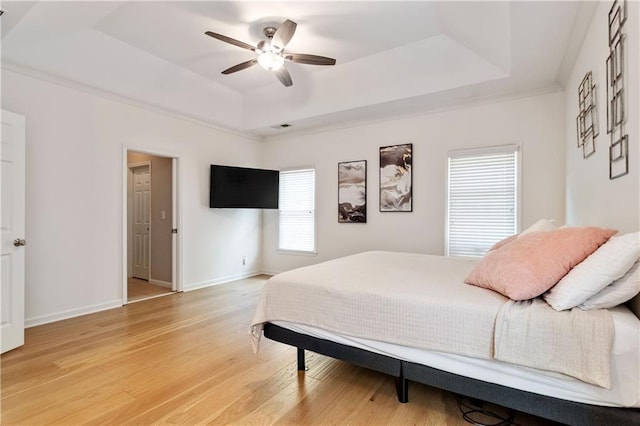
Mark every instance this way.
x=244 y=260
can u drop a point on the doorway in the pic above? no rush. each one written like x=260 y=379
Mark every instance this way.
x=150 y=245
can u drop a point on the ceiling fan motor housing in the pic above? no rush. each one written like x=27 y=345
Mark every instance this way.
x=269 y=32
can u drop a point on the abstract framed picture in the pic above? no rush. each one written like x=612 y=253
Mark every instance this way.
x=396 y=178
x=352 y=192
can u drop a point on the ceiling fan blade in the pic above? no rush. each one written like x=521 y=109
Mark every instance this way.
x=302 y=58
x=241 y=66
x=231 y=41
x=284 y=76
x=283 y=35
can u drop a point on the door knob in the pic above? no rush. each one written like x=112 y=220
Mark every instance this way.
x=18 y=242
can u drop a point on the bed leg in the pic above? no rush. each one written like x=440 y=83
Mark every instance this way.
x=301 y=366
x=402 y=388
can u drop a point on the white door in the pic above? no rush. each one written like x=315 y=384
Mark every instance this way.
x=174 y=224
x=12 y=140
x=141 y=221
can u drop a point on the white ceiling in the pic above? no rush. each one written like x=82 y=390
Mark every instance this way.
x=392 y=57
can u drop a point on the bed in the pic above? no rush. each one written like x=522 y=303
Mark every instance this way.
x=412 y=331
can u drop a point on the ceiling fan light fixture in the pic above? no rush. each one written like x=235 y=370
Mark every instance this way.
x=270 y=52
x=270 y=60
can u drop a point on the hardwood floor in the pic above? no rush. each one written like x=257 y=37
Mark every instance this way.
x=187 y=359
x=138 y=289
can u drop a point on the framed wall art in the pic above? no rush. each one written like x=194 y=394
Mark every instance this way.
x=616 y=92
x=587 y=120
x=396 y=178
x=352 y=192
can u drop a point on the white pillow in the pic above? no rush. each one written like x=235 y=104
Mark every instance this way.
x=541 y=225
x=605 y=265
x=616 y=293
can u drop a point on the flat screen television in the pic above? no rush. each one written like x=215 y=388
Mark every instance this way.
x=241 y=187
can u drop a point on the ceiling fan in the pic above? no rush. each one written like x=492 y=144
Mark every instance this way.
x=271 y=54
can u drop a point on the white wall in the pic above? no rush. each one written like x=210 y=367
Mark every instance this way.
x=74 y=202
x=537 y=123
x=593 y=199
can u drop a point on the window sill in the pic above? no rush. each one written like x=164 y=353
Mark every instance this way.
x=297 y=252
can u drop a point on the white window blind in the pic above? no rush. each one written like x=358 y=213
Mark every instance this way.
x=297 y=227
x=482 y=199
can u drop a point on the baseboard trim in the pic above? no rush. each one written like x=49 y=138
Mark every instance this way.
x=222 y=280
x=160 y=283
x=72 y=313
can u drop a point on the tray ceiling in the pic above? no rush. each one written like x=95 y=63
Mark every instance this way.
x=392 y=57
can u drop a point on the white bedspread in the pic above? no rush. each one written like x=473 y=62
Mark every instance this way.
x=352 y=296
x=421 y=301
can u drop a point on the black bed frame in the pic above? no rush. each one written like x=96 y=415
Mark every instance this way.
x=559 y=410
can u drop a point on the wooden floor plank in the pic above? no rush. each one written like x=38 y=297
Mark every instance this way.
x=187 y=359
x=138 y=289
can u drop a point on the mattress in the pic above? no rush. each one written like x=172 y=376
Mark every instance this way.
x=625 y=369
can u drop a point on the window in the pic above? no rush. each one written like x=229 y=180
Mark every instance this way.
x=297 y=228
x=483 y=194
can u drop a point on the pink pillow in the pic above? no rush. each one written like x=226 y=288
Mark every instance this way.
x=533 y=263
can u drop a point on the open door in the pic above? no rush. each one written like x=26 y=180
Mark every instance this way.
x=174 y=224
x=13 y=231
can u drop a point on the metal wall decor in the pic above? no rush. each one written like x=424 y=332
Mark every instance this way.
x=616 y=115
x=587 y=120
x=396 y=178
x=352 y=192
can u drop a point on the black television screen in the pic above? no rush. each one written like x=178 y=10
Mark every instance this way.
x=241 y=187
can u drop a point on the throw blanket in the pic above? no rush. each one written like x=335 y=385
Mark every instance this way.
x=575 y=342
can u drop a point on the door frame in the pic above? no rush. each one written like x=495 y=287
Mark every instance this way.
x=130 y=173
x=176 y=240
